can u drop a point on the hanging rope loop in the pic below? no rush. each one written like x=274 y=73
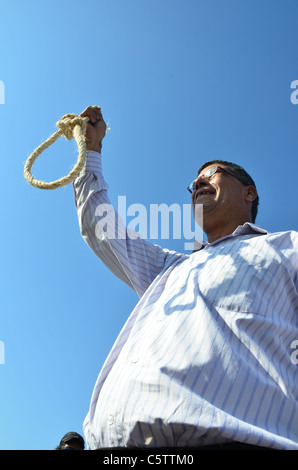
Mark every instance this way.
x=71 y=126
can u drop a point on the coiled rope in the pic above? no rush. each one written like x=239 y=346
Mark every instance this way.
x=71 y=126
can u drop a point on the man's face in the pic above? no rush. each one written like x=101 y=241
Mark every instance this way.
x=220 y=195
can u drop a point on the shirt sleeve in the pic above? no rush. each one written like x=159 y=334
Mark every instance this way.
x=133 y=260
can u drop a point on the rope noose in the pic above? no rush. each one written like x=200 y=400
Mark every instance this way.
x=71 y=126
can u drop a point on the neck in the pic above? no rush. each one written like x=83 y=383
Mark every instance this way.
x=216 y=231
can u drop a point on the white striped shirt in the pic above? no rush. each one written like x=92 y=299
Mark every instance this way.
x=206 y=356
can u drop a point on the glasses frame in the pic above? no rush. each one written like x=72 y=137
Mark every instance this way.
x=208 y=175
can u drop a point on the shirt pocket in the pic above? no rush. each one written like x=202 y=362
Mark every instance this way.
x=240 y=285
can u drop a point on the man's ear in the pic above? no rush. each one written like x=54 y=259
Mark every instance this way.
x=250 y=193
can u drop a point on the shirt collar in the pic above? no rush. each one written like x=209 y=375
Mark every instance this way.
x=245 y=229
x=248 y=228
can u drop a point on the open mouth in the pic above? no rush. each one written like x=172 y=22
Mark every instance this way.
x=201 y=193
x=204 y=193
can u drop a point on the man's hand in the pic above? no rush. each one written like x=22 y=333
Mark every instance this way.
x=96 y=128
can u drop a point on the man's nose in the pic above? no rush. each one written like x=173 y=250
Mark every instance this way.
x=200 y=181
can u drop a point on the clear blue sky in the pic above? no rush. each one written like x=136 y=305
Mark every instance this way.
x=180 y=82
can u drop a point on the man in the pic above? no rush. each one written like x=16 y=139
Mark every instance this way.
x=71 y=441
x=205 y=357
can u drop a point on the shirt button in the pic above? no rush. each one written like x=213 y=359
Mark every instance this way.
x=110 y=420
x=135 y=359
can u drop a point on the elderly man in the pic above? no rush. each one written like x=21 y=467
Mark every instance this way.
x=205 y=358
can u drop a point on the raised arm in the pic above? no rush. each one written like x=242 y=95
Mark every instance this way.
x=135 y=261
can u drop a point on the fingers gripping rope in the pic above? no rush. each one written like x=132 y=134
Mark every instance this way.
x=72 y=127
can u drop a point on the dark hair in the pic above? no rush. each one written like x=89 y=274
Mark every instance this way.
x=68 y=438
x=242 y=176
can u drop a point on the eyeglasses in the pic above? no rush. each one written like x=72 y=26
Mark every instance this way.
x=208 y=175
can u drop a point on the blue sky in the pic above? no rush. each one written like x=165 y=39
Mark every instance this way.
x=180 y=83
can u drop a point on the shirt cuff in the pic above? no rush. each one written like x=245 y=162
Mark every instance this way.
x=93 y=162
